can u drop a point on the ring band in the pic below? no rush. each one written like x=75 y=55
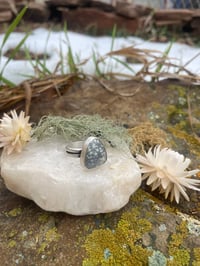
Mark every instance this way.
x=74 y=148
x=92 y=152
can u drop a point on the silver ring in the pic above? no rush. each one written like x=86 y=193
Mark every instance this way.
x=92 y=152
x=74 y=148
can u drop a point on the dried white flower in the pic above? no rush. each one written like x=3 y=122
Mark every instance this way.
x=14 y=131
x=166 y=169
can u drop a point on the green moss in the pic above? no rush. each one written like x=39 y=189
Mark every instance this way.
x=120 y=246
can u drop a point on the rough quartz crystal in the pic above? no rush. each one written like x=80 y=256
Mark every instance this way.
x=46 y=174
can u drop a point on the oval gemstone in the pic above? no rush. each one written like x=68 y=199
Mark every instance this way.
x=94 y=153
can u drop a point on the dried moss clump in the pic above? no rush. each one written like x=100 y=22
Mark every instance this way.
x=145 y=136
x=80 y=127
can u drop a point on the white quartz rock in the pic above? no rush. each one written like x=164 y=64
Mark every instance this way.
x=46 y=174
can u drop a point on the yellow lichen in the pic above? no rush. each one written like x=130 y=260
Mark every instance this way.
x=177 y=115
x=196 y=261
x=120 y=246
x=184 y=117
x=177 y=251
x=12 y=233
x=193 y=141
x=139 y=196
x=14 y=212
x=43 y=218
x=12 y=243
x=181 y=257
x=51 y=236
x=42 y=247
x=178 y=237
x=181 y=89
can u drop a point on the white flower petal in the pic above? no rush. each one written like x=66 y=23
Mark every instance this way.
x=182 y=191
x=155 y=185
x=166 y=169
x=165 y=183
x=14 y=131
x=167 y=190
x=152 y=178
x=176 y=194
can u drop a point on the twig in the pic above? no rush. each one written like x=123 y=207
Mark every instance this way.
x=28 y=96
x=123 y=94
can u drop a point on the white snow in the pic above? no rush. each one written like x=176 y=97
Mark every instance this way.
x=56 y=45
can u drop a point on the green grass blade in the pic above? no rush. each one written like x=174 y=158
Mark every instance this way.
x=13 y=25
x=6 y=81
x=37 y=64
x=44 y=70
x=61 y=59
x=97 y=69
x=126 y=65
x=70 y=57
x=17 y=48
x=46 y=44
x=27 y=53
x=165 y=54
x=114 y=32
